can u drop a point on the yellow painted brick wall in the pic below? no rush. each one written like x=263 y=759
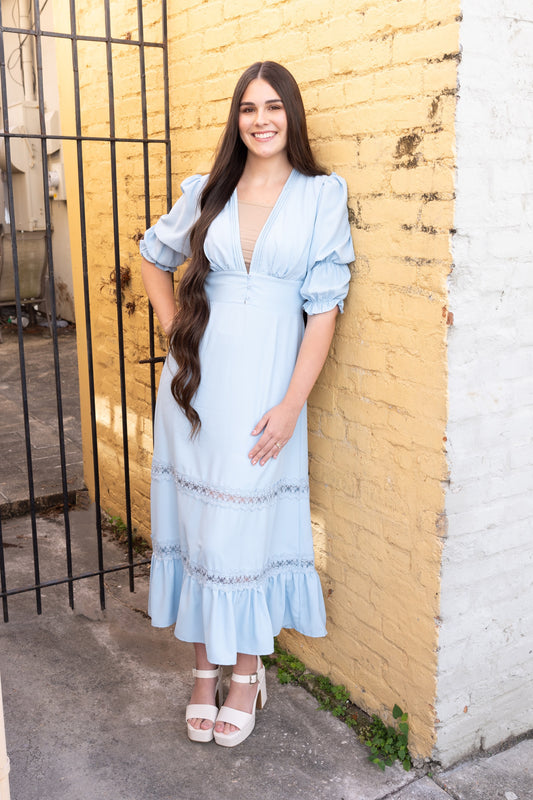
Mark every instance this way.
x=378 y=81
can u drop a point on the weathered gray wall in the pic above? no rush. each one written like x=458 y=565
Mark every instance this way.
x=485 y=680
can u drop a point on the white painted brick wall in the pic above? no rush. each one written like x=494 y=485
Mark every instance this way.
x=485 y=680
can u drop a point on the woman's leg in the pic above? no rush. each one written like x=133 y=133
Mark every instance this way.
x=204 y=688
x=241 y=696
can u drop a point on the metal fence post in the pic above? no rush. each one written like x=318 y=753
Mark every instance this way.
x=4 y=760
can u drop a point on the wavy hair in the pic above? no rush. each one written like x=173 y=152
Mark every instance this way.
x=192 y=317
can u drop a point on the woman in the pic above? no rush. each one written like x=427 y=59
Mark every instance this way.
x=267 y=235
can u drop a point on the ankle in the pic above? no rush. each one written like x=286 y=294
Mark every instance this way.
x=200 y=657
x=247 y=664
x=204 y=665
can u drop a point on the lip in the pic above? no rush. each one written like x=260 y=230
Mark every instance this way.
x=264 y=136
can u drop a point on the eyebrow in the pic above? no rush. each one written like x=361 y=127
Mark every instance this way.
x=276 y=100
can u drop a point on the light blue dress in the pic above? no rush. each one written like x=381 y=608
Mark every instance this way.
x=232 y=545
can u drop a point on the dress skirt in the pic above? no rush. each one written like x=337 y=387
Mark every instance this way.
x=232 y=544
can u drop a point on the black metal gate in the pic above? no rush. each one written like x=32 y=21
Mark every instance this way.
x=34 y=33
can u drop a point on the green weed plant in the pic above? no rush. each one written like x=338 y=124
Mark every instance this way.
x=386 y=743
x=118 y=529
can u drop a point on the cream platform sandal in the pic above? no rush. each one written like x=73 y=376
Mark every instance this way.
x=202 y=710
x=244 y=721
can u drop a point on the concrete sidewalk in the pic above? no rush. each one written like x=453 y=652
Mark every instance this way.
x=43 y=422
x=94 y=704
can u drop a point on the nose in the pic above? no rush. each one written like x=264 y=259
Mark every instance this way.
x=260 y=117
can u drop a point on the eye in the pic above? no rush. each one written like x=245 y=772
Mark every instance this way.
x=247 y=110
x=276 y=107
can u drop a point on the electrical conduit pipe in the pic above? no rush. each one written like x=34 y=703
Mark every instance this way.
x=28 y=74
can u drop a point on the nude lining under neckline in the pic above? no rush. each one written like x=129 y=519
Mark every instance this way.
x=261 y=205
x=252 y=219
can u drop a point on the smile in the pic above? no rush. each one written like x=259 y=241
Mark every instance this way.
x=264 y=136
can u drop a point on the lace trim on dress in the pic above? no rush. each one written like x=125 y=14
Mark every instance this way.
x=216 y=580
x=224 y=496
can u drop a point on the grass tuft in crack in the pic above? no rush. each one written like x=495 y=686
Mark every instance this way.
x=117 y=528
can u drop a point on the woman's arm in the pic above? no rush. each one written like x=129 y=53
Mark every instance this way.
x=160 y=291
x=277 y=425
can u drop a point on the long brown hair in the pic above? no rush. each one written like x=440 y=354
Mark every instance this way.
x=193 y=306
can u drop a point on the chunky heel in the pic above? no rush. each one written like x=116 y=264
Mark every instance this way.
x=261 y=696
x=241 y=719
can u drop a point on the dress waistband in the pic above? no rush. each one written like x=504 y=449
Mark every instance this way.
x=263 y=291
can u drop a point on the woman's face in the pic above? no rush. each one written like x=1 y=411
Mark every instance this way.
x=262 y=120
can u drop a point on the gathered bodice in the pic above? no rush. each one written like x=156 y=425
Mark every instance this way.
x=305 y=237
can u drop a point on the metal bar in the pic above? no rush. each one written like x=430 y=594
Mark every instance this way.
x=51 y=291
x=65 y=137
x=118 y=287
x=3 y=581
x=153 y=360
x=168 y=167
x=80 y=37
x=166 y=91
x=147 y=215
x=97 y=573
x=86 y=298
x=22 y=363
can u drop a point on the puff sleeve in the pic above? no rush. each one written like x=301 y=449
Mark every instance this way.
x=166 y=244
x=326 y=282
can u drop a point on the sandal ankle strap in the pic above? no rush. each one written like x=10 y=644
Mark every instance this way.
x=253 y=678
x=256 y=676
x=205 y=673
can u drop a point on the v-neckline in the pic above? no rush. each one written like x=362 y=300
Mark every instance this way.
x=266 y=227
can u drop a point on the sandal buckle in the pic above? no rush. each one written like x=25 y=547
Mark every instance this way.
x=253 y=678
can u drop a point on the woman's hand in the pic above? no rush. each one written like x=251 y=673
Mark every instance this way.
x=277 y=427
